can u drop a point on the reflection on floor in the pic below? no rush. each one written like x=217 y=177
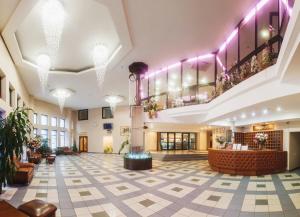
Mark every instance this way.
x=96 y=185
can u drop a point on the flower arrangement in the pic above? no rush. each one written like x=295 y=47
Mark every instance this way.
x=34 y=143
x=108 y=149
x=261 y=139
x=221 y=139
x=152 y=108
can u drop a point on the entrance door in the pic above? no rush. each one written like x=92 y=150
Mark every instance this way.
x=185 y=141
x=83 y=143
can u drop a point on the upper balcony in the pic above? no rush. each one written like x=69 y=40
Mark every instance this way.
x=253 y=46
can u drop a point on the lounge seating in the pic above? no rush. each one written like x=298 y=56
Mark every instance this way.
x=50 y=159
x=34 y=157
x=68 y=151
x=38 y=208
x=24 y=173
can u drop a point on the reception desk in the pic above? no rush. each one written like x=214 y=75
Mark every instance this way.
x=247 y=163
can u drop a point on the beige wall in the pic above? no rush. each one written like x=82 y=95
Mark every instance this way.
x=10 y=77
x=93 y=128
x=294 y=150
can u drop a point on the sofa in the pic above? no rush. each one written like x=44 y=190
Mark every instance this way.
x=24 y=173
x=33 y=157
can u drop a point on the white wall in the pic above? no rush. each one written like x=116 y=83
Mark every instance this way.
x=93 y=128
x=10 y=76
x=294 y=150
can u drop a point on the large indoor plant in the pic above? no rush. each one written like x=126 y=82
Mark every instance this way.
x=15 y=132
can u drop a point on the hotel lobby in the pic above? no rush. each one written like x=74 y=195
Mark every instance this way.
x=132 y=108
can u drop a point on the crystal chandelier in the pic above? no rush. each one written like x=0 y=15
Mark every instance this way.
x=113 y=101
x=61 y=94
x=43 y=67
x=100 y=58
x=53 y=16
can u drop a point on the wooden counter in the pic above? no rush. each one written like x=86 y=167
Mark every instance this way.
x=248 y=163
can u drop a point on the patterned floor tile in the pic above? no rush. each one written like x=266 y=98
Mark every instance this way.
x=176 y=190
x=284 y=176
x=150 y=181
x=195 y=180
x=261 y=203
x=105 y=210
x=106 y=178
x=122 y=188
x=184 y=212
x=215 y=199
x=84 y=194
x=49 y=195
x=147 y=204
x=132 y=175
x=43 y=182
x=261 y=186
x=76 y=181
x=295 y=199
x=226 y=184
x=291 y=185
x=170 y=175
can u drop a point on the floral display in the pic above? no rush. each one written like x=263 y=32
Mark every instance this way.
x=34 y=143
x=261 y=139
x=221 y=139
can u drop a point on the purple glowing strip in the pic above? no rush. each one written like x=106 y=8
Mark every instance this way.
x=248 y=17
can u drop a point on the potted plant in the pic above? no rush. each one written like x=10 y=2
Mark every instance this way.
x=74 y=148
x=44 y=150
x=125 y=143
x=34 y=143
x=261 y=139
x=15 y=132
x=108 y=150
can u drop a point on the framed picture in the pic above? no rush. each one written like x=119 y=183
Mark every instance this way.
x=83 y=114
x=107 y=113
x=125 y=131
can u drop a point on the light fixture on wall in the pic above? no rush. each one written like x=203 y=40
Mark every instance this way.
x=53 y=16
x=100 y=58
x=43 y=66
x=113 y=100
x=61 y=94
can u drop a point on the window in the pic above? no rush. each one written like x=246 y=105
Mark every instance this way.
x=53 y=122
x=35 y=132
x=62 y=123
x=62 y=138
x=44 y=119
x=34 y=118
x=53 y=139
x=44 y=134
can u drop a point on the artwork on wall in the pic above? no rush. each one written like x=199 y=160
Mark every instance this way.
x=263 y=127
x=124 y=130
x=83 y=114
x=107 y=113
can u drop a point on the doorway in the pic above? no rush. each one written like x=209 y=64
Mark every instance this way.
x=294 y=150
x=83 y=144
x=209 y=139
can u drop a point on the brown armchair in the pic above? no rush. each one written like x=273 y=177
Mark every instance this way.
x=34 y=157
x=68 y=151
x=24 y=173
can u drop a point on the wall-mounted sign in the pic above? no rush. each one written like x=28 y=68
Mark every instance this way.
x=263 y=127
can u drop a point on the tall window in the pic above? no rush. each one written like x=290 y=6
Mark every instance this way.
x=53 y=121
x=62 y=138
x=62 y=123
x=44 y=119
x=53 y=139
x=35 y=132
x=34 y=118
x=44 y=134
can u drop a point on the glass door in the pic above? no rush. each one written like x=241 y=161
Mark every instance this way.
x=178 y=141
x=171 y=141
x=164 y=141
x=192 y=141
x=185 y=141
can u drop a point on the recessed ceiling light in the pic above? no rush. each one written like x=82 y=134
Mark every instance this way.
x=243 y=116
x=253 y=114
x=279 y=109
x=265 y=111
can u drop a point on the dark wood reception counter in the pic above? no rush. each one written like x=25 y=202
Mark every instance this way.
x=248 y=163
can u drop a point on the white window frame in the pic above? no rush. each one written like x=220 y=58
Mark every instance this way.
x=62 y=139
x=41 y=120
x=52 y=118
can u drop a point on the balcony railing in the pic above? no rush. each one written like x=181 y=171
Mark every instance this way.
x=253 y=46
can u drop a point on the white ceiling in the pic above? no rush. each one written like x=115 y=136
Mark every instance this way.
x=157 y=32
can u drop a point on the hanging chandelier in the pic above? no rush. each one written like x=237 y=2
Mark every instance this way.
x=61 y=94
x=100 y=58
x=53 y=16
x=113 y=100
x=43 y=67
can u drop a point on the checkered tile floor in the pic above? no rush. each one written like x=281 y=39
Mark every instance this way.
x=96 y=185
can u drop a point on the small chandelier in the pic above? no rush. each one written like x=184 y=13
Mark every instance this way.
x=100 y=58
x=53 y=16
x=61 y=94
x=43 y=67
x=113 y=100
